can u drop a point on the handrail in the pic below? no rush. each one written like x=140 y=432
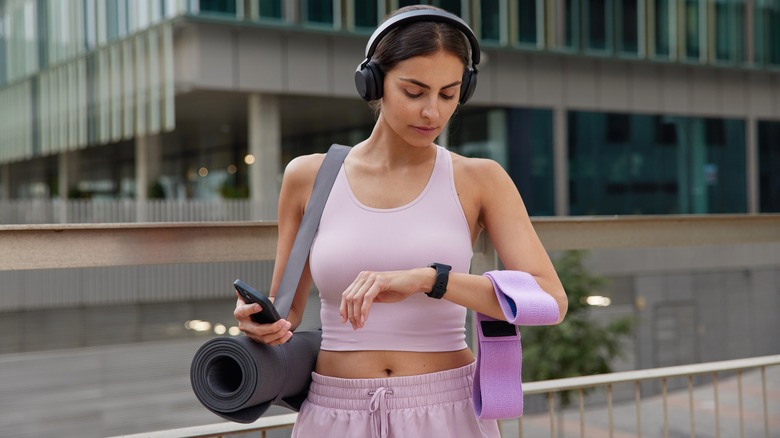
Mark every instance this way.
x=99 y=245
x=531 y=388
x=647 y=374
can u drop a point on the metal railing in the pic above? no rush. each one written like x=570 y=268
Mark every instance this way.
x=552 y=387
x=42 y=246
x=88 y=211
x=662 y=375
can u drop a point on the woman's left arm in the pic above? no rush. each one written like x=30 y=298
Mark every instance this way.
x=501 y=212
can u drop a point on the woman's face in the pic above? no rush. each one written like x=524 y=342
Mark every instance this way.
x=420 y=95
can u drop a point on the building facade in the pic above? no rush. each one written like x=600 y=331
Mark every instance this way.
x=593 y=106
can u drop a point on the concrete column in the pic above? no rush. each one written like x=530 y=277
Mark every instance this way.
x=148 y=157
x=561 y=160
x=265 y=145
x=751 y=159
x=67 y=175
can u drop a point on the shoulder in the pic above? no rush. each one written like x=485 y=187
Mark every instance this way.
x=304 y=165
x=298 y=180
x=484 y=187
x=302 y=170
x=478 y=171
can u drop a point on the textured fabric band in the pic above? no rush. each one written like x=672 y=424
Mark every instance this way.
x=498 y=385
x=522 y=300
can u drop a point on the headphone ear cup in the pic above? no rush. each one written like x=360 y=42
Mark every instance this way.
x=468 y=85
x=369 y=81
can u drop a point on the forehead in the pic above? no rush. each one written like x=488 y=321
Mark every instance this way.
x=441 y=66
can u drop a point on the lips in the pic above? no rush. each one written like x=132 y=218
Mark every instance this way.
x=425 y=130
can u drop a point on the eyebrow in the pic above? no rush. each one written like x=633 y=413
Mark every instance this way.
x=426 y=86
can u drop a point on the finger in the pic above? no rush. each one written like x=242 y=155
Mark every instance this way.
x=344 y=305
x=358 y=318
x=285 y=338
x=368 y=300
x=245 y=311
x=349 y=304
x=272 y=334
x=348 y=298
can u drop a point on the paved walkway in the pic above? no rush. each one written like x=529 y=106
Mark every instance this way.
x=652 y=413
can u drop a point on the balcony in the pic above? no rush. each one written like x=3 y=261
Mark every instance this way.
x=724 y=398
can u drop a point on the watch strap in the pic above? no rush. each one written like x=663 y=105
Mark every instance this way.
x=442 y=278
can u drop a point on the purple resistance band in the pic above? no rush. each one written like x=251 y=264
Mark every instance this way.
x=498 y=386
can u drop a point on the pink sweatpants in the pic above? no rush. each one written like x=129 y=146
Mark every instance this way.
x=428 y=405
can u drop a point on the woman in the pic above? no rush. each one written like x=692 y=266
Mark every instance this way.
x=402 y=211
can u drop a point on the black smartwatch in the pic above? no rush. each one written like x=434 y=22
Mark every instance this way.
x=442 y=277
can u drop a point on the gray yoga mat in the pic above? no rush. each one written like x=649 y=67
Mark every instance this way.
x=229 y=378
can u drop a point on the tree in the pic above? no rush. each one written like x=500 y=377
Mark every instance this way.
x=578 y=346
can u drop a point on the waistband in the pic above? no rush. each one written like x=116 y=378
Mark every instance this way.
x=399 y=392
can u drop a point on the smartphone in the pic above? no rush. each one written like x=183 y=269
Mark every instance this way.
x=269 y=314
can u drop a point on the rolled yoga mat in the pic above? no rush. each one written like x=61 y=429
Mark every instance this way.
x=239 y=379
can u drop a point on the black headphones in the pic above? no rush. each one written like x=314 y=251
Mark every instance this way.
x=369 y=78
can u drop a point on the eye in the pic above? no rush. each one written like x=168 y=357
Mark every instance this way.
x=412 y=95
x=447 y=96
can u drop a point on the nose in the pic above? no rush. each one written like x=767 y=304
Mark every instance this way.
x=430 y=108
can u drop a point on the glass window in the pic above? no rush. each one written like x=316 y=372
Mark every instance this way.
x=720 y=171
x=530 y=143
x=454 y=6
x=517 y=138
x=3 y=56
x=475 y=134
x=319 y=12
x=122 y=14
x=597 y=18
x=569 y=35
x=219 y=6
x=692 y=29
x=628 y=26
x=773 y=33
x=402 y=3
x=769 y=166
x=722 y=30
x=661 y=28
x=270 y=9
x=490 y=20
x=90 y=30
x=643 y=164
x=526 y=21
x=366 y=14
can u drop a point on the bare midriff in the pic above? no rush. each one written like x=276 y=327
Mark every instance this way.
x=379 y=364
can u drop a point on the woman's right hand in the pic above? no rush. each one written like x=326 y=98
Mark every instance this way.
x=270 y=334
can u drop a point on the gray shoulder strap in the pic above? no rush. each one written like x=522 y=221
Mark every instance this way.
x=311 y=220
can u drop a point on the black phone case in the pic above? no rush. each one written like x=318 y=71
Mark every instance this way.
x=269 y=314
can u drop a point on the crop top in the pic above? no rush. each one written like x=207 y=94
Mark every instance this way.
x=353 y=237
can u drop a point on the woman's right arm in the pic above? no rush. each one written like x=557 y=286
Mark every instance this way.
x=297 y=185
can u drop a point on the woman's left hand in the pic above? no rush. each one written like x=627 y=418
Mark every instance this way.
x=381 y=287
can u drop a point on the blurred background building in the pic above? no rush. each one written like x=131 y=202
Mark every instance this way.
x=188 y=110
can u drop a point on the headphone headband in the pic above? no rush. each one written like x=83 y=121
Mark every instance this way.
x=423 y=15
x=369 y=77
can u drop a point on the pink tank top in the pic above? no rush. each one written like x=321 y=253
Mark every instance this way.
x=353 y=237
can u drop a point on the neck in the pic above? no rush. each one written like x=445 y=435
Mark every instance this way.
x=386 y=147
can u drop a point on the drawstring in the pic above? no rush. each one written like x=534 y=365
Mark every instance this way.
x=379 y=402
